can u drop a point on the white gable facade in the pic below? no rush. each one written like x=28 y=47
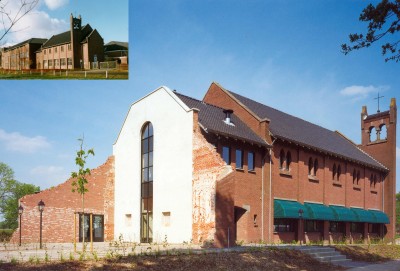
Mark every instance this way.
x=172 y=123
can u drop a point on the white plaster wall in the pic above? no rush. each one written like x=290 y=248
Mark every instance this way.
x=172 y=182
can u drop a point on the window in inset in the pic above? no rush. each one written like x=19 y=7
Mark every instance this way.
x=239 y=159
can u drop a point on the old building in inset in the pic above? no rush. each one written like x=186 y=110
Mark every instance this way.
x=21 y=56
x=81 y=47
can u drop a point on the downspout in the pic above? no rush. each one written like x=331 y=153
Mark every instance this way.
x=270 y=190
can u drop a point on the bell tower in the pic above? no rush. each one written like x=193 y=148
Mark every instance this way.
x=378 y=138
x=76 y=33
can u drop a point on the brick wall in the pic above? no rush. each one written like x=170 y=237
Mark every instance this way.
x=208 y=167
x=61 y=205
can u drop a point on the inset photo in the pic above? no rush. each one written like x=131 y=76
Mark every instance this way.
x=64 y=39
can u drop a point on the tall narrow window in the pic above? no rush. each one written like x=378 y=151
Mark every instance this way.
x=146 y=231
x=354 y=176
x=288 y=160
x=239 y=159
x=339 y=171
x=281 y=159
x=315 y=166
x=334 y=172
x=226 y=154
x=250 y=161
x=358 y=177
x=310 y=166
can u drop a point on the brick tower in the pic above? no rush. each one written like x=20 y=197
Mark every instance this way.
x=76 y=27
x=378 y=138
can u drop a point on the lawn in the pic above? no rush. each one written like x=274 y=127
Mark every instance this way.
x=63 y=75
x=370 y=253
x=271 y=259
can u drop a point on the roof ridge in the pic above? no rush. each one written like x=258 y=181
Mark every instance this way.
x=199 y=100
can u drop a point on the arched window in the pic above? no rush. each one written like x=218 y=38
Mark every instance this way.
x=334 y=172
x=354 y=176
x=315 y=166
x=374 y=180
x=358 y=177
x=339 y=171
x=288 y=160
x=310 y=166
x=371 y=180
x=372 y=134
x=383 y=132
x=281 y=159
x=146 y=225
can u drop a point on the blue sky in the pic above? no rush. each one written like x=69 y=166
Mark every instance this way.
x=52 y=17
x=285 y=54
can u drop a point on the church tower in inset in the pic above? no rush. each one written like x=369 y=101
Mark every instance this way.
x=378 y=138
x=76 y=38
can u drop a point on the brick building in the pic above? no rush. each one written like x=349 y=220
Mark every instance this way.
x=76 y=48
x=229 y=169
x=21 y=56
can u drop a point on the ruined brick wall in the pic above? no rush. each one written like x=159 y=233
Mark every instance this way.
x=61 y=205
x=208 y=168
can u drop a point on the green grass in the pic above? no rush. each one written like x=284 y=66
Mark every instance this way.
x=90 y=75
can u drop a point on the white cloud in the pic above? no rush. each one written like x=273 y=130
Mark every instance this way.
x=20 y=143
x=49 y=175
x=55 y=4
x=36 y=24
x=360 y=92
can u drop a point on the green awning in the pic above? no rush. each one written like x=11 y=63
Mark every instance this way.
x=319 y=211
x=364 y=215
x=343 y=214
x=380 y=216
x=288 y=209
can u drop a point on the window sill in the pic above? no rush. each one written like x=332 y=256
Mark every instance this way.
x=240 y=169
x=251 y=171
x=357 y=187
x=285 y=172
x=373 y=191
x=336 y=183
x=313 y=179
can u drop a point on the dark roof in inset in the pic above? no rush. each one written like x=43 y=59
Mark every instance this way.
x=211 y=118
x=293 y=129
x=30 y=41
x=115 y=46
x=61 y=38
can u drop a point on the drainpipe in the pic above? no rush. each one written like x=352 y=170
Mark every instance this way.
x=270 y=190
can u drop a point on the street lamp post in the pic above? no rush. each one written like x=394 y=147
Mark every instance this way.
x=301 y=231
x=20 y=211
x=41 y=208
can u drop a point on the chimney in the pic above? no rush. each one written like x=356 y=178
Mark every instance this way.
x=227 y=119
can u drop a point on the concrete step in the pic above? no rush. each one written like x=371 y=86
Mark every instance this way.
x=331 y=258
x=323 y=254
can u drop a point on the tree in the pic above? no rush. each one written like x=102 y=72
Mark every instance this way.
x=9 y=17
x=80 y=181
x=10 y=192
x=384 y=21
x=9 y=207
x=7 y=181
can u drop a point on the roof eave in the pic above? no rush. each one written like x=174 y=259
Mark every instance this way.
x=382 y=168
